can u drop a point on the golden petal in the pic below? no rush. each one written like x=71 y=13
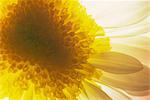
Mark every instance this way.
x=94 y=92
x=114 y=93
x=114 y=62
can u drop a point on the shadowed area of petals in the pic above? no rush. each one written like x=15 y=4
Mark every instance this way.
x=139 y=93
x=115 y=63
x=94 y=92
x=138 y=81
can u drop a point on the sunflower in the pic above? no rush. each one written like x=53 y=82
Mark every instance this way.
x=54 y=50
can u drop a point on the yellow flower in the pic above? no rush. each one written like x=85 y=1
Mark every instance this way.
x=53 y=50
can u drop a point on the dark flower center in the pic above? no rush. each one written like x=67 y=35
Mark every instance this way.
x=38 y=32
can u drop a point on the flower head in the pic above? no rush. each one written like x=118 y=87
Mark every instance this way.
x=49 y=50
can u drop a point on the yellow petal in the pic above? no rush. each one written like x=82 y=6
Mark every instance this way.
x=137 y=41
x=138 y=47
x=115 y=62
x=114 y=93
x=130 y=31
x=138 y=81
x=94 y=92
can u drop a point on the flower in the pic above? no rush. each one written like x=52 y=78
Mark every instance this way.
x=51 y=49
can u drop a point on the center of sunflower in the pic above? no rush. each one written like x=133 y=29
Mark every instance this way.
x=39 y=33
